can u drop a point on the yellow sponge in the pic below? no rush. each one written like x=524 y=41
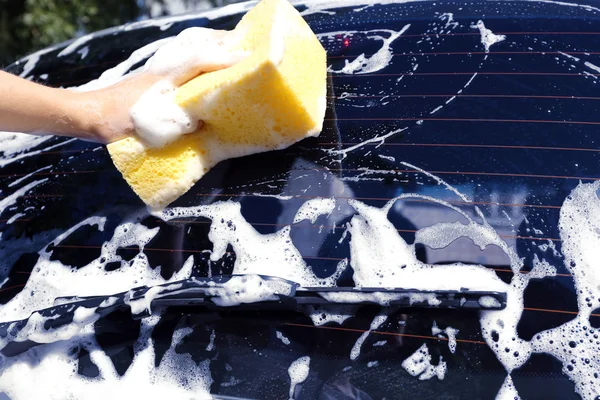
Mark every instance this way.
x=268 y=101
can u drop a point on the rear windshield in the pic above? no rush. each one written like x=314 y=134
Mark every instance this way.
x=459 y=138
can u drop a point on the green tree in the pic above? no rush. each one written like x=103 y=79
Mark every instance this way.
x=29 y=25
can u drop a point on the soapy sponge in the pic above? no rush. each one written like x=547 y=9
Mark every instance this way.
x=270 y=100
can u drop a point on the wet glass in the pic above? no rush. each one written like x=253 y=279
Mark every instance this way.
x=510 y=125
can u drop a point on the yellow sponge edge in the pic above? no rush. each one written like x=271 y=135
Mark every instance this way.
x=268 y=101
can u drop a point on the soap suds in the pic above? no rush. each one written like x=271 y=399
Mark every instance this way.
x=449 y=18
x=575 y=343
x=298 y=372
x=313 y=208
x=14 y=218
x=75 y=45
x=325 y=315
x=249 y=288
x=488 y=38
x=281 y=337
x=379 y=139
x=262 y=254
x=176 y=376
x=378 y=61
x=211 y=343
x=450 y=333
x=32 y=60
x=29 y=175
x=12 y=198
x=158 y=119
x=592 y=66
x=381 y=258
x=374 y=241
x=376 y=323
x=419 y=364
x=15 y=146
x=120 y=71
x=508 y=391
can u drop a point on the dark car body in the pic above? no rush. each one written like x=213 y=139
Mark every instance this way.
x=512 y=124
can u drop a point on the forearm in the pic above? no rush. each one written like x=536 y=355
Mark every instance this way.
x=33 y=108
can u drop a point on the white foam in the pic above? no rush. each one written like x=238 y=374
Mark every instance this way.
x=50 y=278
x=325 y=315
x=14 y=218
x=322 y=6
x=379 y=60
x=592 y=66
x=376 y=323
x=374 y=242
x=449 y=18
x=298 y=372
x=438 y=108
x=77 y=43
x=12 y=143
x=32 y=60
x=281 y=337
x=419 y=364
x=508 y=391
x=56 y=366
x=119 y=72
x=450 y=333
x=574 y=343
x=389 y=158
x=488 y=38
x=211 y=343
x=83 y=52
x=158 y=119
x=568 y=56
x=29 y=175
x=313 y=208
x=381 y=258
x=379 y=139
x=22 y=141
x=269 y=254
x=249 y=288
x=12 y=198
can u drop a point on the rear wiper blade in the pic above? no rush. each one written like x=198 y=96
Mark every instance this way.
x=69 y=315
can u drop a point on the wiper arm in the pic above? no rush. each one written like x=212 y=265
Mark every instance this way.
x=71 y=314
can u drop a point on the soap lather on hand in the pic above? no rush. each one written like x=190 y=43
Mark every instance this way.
x=151 y=110
x=157 y=118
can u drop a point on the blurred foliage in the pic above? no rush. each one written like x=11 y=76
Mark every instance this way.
x=29 y=25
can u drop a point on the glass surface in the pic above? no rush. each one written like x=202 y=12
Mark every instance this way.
x=515 y=129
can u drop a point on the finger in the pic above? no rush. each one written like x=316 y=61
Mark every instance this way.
x=203 y=64
x=198 y=127
x=225 y=61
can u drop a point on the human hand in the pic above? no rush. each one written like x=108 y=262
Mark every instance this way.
x=193 y=52
x=104 y=115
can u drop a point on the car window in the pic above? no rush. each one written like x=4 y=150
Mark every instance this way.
x=457 y=134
